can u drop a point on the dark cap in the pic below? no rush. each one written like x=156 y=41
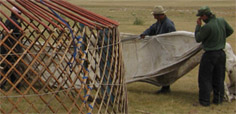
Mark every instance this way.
x=203 y=10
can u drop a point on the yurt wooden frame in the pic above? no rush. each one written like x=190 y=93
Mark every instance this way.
x=70 y=60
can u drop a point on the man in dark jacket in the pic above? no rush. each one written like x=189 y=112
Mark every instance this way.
x=163 y=25
x=213 y=36
x=10 y=42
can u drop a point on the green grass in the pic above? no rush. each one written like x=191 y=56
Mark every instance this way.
x=141 y=96
x=138 y=21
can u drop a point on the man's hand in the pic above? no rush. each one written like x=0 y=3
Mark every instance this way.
x=199 y=21
x=142 y=36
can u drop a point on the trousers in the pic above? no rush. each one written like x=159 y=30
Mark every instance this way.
x=211 y=76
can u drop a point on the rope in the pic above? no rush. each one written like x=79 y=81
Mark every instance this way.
x=49 y=93
x=90 y=49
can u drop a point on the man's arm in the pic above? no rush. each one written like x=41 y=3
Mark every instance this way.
x=171 y=28
x=228 y=29
x=9 y=25
x=149 y=31
x=201 y=33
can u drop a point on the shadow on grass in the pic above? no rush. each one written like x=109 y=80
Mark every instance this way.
x=147 y=92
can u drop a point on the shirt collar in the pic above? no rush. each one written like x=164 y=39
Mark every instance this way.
x=163 y=20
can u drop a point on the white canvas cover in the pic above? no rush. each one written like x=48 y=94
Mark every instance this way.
x=160 y=59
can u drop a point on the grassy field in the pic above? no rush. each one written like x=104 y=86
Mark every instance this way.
x=141 y=96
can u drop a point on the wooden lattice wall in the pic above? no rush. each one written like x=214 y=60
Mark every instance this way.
x=61 y=59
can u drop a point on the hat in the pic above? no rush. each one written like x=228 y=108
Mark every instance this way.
x=16 y=10
x=203 y=10
x=158 y=10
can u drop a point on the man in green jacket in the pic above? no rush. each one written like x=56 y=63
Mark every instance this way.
x=213 y=36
